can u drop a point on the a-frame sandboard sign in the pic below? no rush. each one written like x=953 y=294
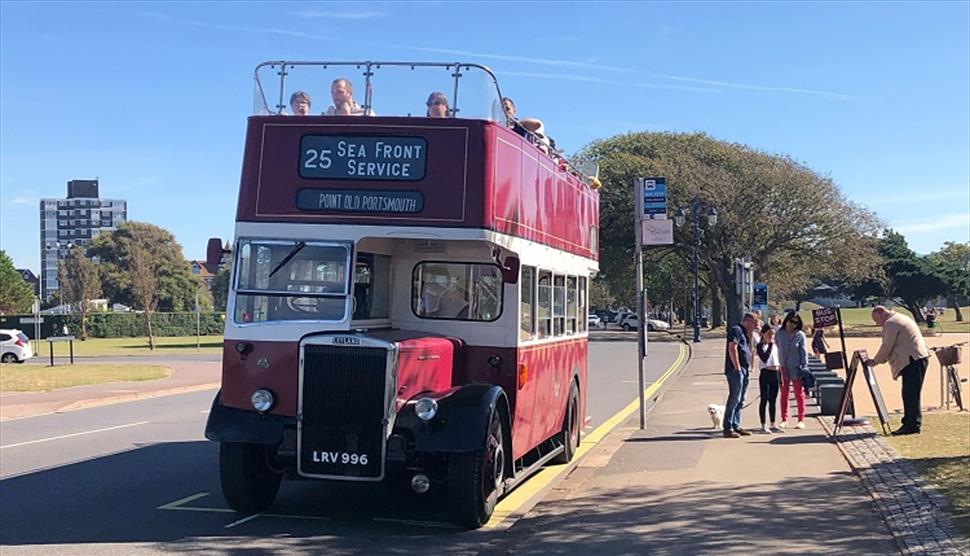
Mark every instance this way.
x=861 y=357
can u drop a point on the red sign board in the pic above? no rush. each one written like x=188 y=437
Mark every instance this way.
x=825 y=317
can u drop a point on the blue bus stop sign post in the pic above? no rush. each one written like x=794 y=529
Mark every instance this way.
x=760 y=298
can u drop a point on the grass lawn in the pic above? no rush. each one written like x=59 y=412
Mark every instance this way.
x=859 y=321
x=34 y=378
x=168 y=345
x=941 y=453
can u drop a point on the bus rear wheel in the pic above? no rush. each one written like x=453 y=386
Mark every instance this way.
x=249 y=483
x=569 y=436
x=476 y=478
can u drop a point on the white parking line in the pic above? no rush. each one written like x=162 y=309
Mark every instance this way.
x=63 y=436
x=241 y=521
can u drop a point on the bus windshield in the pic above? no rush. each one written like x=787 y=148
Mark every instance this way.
x=291 y=280
x=378 y=89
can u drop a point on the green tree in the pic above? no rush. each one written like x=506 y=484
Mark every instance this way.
x=794 y=223
x=177 y=285
x=144 y=285
x=16 y=295
x=952 y=265
x=912 y=280
x=79 y=283
x=220 y=289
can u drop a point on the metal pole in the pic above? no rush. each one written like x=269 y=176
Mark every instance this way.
x=695 y=210
x=641 y=348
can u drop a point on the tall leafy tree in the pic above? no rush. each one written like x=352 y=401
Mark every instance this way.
x=16 y=295
x=952 y=265
x=79 y=283
x=177 y=286
x=794 y=223
x=220 y=289
x=912 y=280
x=144 y=285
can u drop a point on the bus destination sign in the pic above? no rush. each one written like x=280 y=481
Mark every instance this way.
x=358 y=200
x=338 y=157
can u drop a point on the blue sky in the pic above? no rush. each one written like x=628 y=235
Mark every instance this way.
x=152 y=97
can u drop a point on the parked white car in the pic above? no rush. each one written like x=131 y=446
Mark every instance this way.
x=14 y=346
x=594 y=321
x=630 y=322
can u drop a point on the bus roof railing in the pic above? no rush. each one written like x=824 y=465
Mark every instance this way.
x=582 y=170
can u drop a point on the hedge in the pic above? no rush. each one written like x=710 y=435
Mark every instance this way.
x=121 y=325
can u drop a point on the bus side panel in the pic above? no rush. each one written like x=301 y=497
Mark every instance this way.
x=240 y=376
x=552 y=207
x=478 y=370
x=551 y=367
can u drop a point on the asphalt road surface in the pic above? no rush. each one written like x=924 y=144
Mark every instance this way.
x=140 y=478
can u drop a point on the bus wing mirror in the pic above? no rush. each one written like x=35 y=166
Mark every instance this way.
x=510 y=270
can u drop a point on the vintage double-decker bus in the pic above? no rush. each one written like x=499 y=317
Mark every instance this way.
x=409 y=293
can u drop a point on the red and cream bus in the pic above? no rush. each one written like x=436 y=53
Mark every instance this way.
x=409 y=294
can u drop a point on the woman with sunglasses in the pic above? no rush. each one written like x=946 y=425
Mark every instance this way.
x=438 y=105
x=794 y=360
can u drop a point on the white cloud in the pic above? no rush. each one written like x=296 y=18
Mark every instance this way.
x=936 y=224
x=24 y=200
x=314 y=14
x=552 y=62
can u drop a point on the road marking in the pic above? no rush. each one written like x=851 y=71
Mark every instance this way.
x=518 y=498
x=63 y=436
x=176 y=505
x=241 y=521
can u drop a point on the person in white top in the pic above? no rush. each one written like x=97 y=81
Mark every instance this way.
x=768 y=378
x=342 y=93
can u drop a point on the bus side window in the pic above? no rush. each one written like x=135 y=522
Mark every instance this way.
x=545 y=304
x=571 y=305
x=372 y=286
x=527 y=303
x=559 y=305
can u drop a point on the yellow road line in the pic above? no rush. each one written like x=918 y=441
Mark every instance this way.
x=512 y=503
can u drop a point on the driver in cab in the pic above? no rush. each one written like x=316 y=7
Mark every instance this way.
x=438 y=301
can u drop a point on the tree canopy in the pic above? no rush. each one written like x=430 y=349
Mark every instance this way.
x=794 y=223
x=16 y=295
x=177 y=286
x=79 y=283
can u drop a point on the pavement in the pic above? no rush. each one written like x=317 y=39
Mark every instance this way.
x=679 y=487
x=187 y=376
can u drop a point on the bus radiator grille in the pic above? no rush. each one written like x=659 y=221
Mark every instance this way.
x=343 y=411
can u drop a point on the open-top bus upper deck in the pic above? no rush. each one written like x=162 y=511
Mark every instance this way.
x=400 y=169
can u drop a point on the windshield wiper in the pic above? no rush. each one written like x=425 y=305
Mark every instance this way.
x=296 y=249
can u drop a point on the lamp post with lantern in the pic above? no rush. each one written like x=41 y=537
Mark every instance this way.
x=696 y=208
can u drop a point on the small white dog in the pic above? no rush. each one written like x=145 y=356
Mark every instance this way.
x=717 y=415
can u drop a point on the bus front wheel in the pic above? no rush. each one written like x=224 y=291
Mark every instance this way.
x=476 y=478
x=249 y=483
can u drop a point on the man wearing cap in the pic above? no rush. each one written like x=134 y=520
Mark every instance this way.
x=905 y=351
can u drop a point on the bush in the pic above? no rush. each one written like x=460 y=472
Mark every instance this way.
x=122 y=325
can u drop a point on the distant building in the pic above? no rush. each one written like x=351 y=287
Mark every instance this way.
x=204 y=270
x=31 y=278
x=74 y=220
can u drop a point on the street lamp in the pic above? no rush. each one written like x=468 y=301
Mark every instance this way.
x=696 y=207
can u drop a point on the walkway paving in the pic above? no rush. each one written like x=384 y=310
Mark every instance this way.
x=678 y=487
x=912 y=508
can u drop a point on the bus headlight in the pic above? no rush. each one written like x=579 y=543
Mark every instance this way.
x=262 y=400
x=426 y=409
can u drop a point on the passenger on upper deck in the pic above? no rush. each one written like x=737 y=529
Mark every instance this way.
x=342 y=92
x=300 y=103
x=438 y=105
x=538 y=132
x=514 y=125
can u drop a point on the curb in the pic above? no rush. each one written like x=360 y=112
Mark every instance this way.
x=120 y=398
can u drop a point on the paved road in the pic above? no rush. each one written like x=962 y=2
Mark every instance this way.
x=139 y=477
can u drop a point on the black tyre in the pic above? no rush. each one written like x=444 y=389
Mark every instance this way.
x=8 y=358
x=249 y=484
x=475 y=479
x=626 y=327
x=570 y=427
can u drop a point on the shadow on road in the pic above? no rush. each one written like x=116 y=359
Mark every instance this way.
x=115 y=499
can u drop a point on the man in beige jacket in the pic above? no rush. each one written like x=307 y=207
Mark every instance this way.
x=903 y=347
